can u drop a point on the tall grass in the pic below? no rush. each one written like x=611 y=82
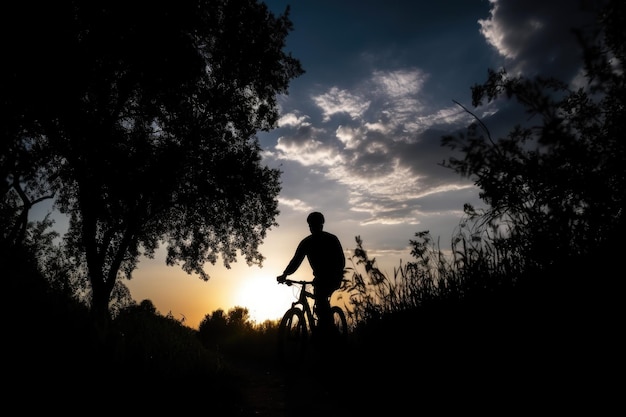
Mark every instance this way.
x=481 y=264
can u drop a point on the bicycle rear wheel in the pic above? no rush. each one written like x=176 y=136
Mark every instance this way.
x=339 y=318
x=292 y=337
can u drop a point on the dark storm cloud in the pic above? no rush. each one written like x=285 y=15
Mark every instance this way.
x=536 y=36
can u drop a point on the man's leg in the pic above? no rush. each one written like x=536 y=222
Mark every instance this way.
x=322 y=307
x=324 y=317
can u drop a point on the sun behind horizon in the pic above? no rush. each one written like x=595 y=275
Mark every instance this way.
x=264 y=298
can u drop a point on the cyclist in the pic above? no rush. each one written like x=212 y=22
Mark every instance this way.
x=327 y=260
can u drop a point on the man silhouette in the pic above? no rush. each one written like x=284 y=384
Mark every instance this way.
x=325 y=255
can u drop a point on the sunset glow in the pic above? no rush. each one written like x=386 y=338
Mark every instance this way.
x=265 y=299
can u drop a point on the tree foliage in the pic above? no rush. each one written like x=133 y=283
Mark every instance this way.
x=219 y=327
x=558 y=184
x=141 y=121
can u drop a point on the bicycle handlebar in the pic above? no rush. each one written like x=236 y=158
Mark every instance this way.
x=289 y=282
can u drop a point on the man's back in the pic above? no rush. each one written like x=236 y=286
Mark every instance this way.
x=324 y=252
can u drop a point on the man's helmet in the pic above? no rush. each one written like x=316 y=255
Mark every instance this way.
x=315 y=218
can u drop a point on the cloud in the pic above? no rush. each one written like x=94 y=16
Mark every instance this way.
x=336 y=101
x=536 y=36
x=384 y=154
x=309 y=153
x=293 y=120
x=295 y=204
x=400 y=83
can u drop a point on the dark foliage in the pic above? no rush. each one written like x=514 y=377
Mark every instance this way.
x=140 y=121
x=555 y=184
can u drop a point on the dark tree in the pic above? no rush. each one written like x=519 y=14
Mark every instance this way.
x=557 y=179
x=213 y=328
x=141 y=121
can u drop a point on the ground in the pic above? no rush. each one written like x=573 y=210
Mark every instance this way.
x=273 y=389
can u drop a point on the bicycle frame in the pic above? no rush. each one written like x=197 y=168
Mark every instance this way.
x=303 y=302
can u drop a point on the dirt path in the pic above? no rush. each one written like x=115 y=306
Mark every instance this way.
x=264 y=388
x=270 y=389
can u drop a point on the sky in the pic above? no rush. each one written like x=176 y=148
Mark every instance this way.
x=359 y=137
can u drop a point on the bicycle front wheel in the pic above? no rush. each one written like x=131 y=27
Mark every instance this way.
x=292 y=337
x=339 y=318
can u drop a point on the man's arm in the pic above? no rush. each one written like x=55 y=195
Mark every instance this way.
x=295 y=262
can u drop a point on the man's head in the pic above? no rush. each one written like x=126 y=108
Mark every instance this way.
x=315 y=221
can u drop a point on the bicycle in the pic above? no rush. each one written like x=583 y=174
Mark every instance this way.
x=299 y=323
